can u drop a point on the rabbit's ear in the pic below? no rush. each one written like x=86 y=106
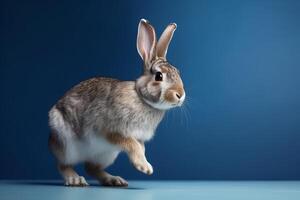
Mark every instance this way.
x=146 y=41
x=165 y=39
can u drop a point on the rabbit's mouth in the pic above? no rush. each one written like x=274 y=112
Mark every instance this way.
x=164 y=105
x=179 y=103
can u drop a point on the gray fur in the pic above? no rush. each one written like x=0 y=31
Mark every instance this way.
x=107 y=105
x=83 y=118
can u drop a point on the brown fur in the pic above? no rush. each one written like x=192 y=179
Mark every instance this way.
x=126 y=113
x=134 y=149
x=56 y=146
x=96 y=171
x=128 y=144
x=169 y=95
x=67 y=170
x=165 y=69
x=155 y=83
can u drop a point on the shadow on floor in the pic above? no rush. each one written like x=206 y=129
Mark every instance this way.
x=61 y=184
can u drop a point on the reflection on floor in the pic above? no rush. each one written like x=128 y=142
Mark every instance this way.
x=147 y=190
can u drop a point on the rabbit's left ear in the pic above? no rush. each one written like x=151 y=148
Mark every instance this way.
x=146 y=41
x=164 y=40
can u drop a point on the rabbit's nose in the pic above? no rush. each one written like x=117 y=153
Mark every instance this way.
x=178 y=95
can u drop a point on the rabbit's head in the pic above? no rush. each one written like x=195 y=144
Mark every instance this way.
x=160 y=85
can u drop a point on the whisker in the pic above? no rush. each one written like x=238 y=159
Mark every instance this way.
x=187 y=111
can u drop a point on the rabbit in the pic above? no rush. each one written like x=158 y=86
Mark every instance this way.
x=100 y=117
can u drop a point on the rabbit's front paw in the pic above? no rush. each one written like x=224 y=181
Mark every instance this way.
x=76 y=181
x=143 y=166
x=118 y=181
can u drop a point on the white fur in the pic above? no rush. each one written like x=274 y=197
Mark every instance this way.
x=142 y=135
x=163 y=105
x=160 y=105
x=182 y=99
x=90 y=147
x=57 y=122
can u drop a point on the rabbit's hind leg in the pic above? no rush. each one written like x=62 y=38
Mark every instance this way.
x=106 y=179
x=71 y=177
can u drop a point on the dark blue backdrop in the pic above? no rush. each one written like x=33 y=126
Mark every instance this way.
x=239 y=61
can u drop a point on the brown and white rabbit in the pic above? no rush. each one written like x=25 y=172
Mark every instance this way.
x=100 y=117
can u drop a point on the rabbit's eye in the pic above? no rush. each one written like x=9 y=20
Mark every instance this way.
x=158 y=76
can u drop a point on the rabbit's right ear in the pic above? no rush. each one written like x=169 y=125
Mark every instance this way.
x=146 y=41
x=165 y=39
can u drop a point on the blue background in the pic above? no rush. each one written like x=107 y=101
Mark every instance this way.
x=239 y=61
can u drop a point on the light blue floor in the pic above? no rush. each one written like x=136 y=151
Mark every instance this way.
x=147 y=190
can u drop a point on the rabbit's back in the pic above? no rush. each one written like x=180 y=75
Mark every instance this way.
x=78 y=103
x=108 y=105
